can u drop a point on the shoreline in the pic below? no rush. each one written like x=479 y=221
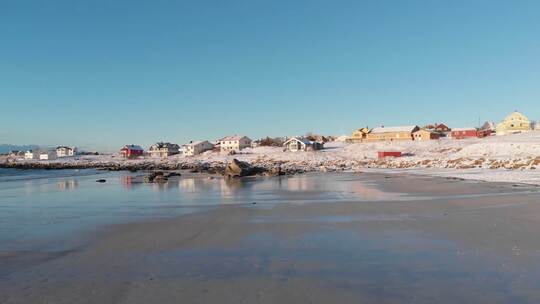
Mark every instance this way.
x=510 y=174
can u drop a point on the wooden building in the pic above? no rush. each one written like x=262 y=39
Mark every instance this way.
x=423 y=134
x=163 y=150
x=359 y=135
x=131 y=151
x=463 y=133
x=392 y=133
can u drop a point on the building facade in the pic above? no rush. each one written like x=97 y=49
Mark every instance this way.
x=197 y=147
x=234 y=143
x=163 y=150
x=64 y=151
x=514 y=123
x=31 y=155
x=47 y=155
x=423 y=134
x=359 y=135
x=463 y=133
x=131 y=151
x=296 y=144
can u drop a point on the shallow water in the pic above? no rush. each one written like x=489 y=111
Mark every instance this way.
x=41 y=209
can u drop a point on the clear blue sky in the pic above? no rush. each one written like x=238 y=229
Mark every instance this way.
x=104 y=73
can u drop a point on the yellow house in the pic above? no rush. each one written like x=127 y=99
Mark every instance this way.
x=359 y=135
x=392 y=133
x=513 y=123
x=423 y=134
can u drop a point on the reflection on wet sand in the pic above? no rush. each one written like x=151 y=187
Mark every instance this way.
x=226 y=187
x=290 y=188
x=130 y=181
x=67 y=184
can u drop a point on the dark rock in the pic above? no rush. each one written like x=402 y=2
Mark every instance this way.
x=156 y=176
x=171 y=174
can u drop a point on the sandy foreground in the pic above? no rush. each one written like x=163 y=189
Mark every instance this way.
x=444 y=241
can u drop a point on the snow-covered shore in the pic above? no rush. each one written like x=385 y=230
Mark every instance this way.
x=511 y=158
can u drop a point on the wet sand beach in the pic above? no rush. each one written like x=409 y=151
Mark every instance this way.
x=378 y=239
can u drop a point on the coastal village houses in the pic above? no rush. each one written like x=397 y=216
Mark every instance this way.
x=234 y=143
x=359 y=135
x=392 y=133
x=437 y=127
x=63 y=151
x=424 y=134
x=295 y=144
x=463 y=133
x=131 y=151
x=197 y=147
x=163 y=150
x=31 y=155
x=47 y=155
x=513 y=123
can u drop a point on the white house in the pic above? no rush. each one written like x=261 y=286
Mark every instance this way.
x=163 y=149
x=197 y=147
x=343 y=138
x=234 y=143
x=302 y=144
x=30 y=155
x=63 y=151
x=47 y=155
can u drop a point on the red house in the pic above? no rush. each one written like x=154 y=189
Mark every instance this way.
x=383 y=154
x=131 y=151
x=462 y=133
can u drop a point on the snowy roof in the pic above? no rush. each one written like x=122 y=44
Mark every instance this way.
x=233 y=138
x=300 y=139
x=194 y=143
x=424 y=130
x=394 y=129
x=133 y=147
x=464 y=129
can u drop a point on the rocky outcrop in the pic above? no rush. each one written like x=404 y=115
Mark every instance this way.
x=236 y=168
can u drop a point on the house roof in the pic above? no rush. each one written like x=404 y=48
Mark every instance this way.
x=424 y=130
x=300 y=139
x=162 y=145
x=516 y=116
x=196 y=143
x=394 y=129
x=463 y=129
x=233 y=138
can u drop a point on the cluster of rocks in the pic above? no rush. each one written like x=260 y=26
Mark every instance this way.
x=160 y=170
x=159 y=176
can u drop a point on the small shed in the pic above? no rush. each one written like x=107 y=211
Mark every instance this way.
x=383 y=154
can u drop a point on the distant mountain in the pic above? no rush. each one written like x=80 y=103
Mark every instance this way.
x=5 y=148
